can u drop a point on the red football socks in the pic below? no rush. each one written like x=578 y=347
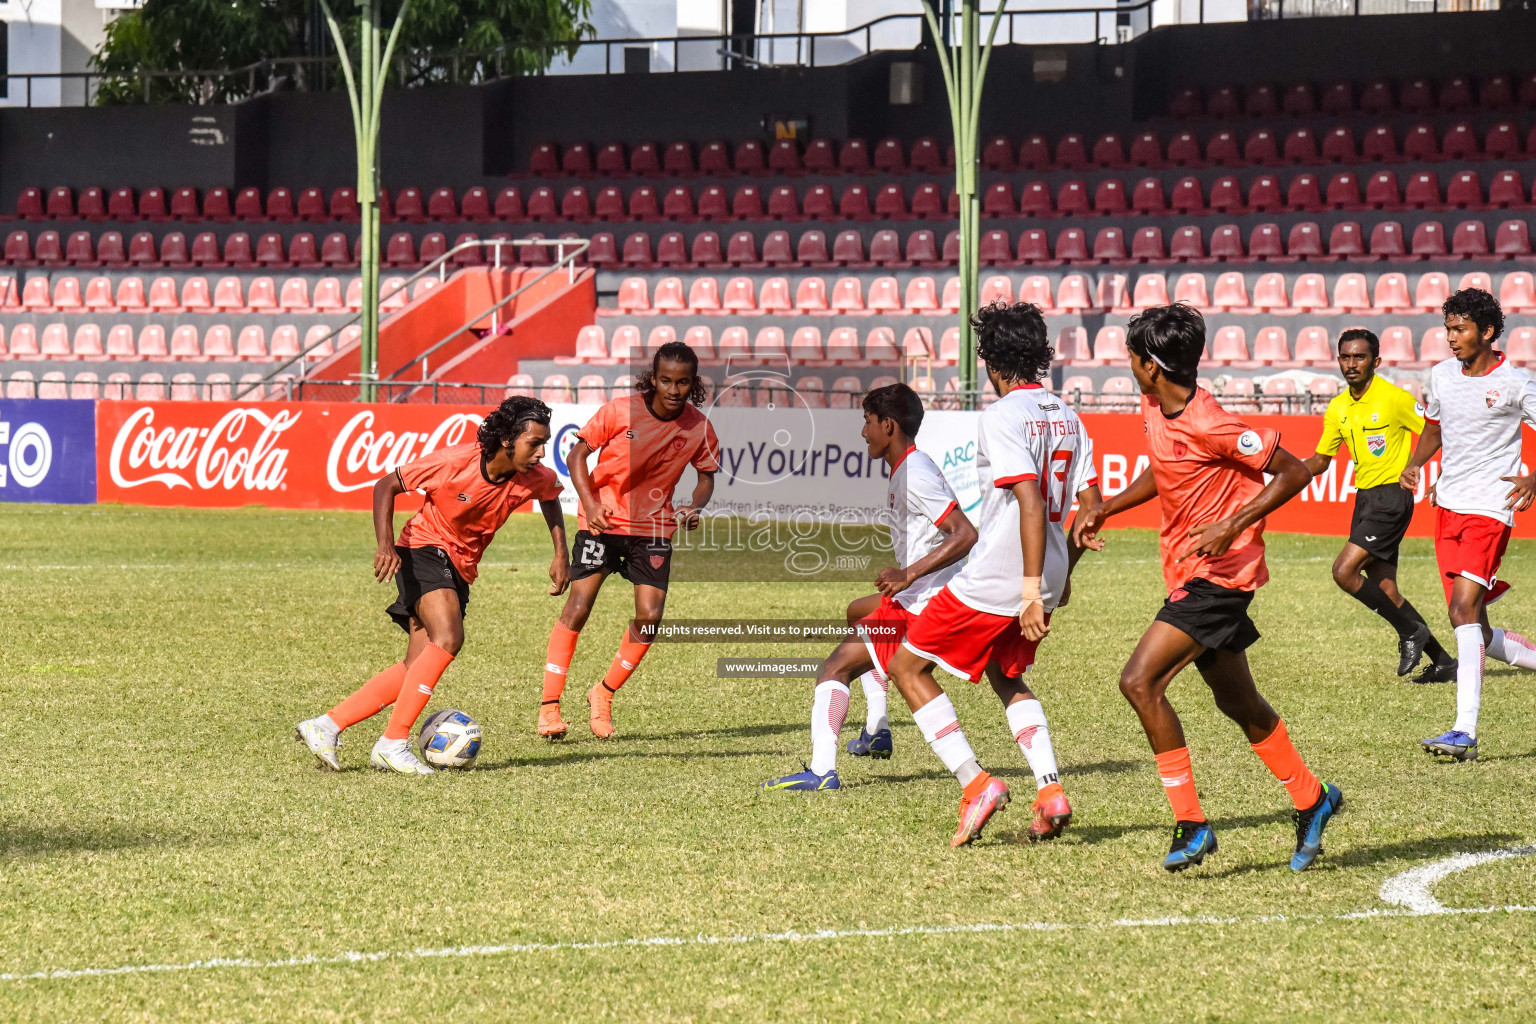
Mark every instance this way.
x=372 y=697
x=1279 y=755
x=420 y=679
x=557 y=661
x=1179 y=784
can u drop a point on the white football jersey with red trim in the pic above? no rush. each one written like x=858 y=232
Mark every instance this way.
x=1480 y=439
x=1028 y=434
x=917 y=500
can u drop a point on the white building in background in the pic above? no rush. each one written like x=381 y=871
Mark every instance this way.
x=46 y=37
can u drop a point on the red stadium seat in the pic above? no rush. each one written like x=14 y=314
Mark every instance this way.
x=410 y=206
x=1230 y=292
x=1416 y=96
x=1470 y=239
x=854 y=204
x=811 y=249
x=1513 y=239
x=1147 y=197
x=1189 y=198
x=1223 y=102
x=1429 y=240
x=1035 y=200
x=997 y=201
x=1351 y=294
x=1261 y=148
x=1146 y=150
x=678 y=204
x=80 y=250
x=1339 y=145
x=1227 y=243
x=1507 y=190
x=891 y=203
x=1420 y=143
x=509 y=205
x=995 y=248
x=1300 y=147
x=1345 y=239
x=173 y=249
x=1432 y=290
x=854 y=158
x=1298 y=100
x=1109 y=198
x=1109 y=151
x=1304 y=193
x=1460 y=143
x=1109 y=246
x=997 y=154
x=1502 y=142
x=1397 y=346
x=643 y=204
x=1496 y=92
x=926 y=156
x=645 y=159
x=1465 y=191
x=1343 y=192
x=1269 y=294
x=1310 y=293
x=1271 y=348
x=1521 y=346
x=1379 y=145
x=1230 y=346
x=1184 y=150
x=1313 y=347
x=1034 y=247
x=1151 y=290
x=1072 y=151
x=672 y=250
x=1187 y=244
x=1072 y=200
x=1387 y=240
x=1305 y=242
x=1456 y=93
x=677 y=159
x=1147 y=245
x=1072 y=246
x=705 y=250
x=1381 y=191
x=1264 y=194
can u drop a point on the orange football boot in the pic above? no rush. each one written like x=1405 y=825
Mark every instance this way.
x=977 y=810
x=551 y=726
x=600 y=699
x=1052 y=813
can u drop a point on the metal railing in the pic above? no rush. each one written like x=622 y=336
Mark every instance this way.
x=310 y=350
x=1110 y=24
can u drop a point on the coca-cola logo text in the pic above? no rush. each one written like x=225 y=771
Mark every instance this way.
x=359 y=456
x=220 y=457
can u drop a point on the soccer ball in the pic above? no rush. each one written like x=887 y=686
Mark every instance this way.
x=449 y=739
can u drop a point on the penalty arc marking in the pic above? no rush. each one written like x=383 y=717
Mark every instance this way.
x=1411 y=889
x=1409 y=893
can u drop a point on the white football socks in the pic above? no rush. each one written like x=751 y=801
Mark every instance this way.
x=876 y=691
x=328 y=724
x=1512 y=649
x=1026 y=719
x=1469 y=677
x=941 y=728
x=827 y=716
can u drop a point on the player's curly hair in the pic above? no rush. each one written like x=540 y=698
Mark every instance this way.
x=1479 y=307
x=674 y=352
x=1011 y=338
x=508 y=420
x=896 y=402
x=1173 y=337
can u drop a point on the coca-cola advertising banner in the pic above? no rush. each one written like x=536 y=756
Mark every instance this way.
x=327 y=456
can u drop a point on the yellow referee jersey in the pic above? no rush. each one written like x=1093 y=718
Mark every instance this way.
x=1377 y=428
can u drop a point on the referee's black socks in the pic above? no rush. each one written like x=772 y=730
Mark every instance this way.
x=1404 y=618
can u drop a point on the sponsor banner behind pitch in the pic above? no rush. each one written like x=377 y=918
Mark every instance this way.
x=48 y=451
x=775 y=463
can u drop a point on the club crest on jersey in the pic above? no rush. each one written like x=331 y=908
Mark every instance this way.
x=657 y=561
x=1376 y=444
x=1492 y=397
x=1180 y=449
x=1178 y=595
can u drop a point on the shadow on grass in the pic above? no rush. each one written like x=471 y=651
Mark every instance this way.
x=1369 y=856
x=1019 y=779
x=1092 y=835
x=585 y=756
x=745 y=731
x=1509 y=757
x=18 y=841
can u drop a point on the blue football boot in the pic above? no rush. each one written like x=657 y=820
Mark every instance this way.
x=806 y=781
x=1310 y=824
x=878 y=746
x=1192 y=840
x=1455 y=744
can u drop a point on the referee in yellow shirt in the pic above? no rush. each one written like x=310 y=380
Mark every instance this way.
x=1377 y=420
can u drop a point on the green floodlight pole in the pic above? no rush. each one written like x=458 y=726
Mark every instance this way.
x=964 y=66
x=365 y=90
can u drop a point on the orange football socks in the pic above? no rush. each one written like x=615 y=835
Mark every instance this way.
x=625 y=662
x=1179 y=785
x=372 y=697
x=1279 y=755
x=557 y=661
x=420 y=679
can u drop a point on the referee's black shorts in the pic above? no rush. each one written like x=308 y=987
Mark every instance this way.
x=1381 y=518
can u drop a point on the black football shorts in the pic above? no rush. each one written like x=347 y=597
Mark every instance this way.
x=1381 y=518
x=1215 y=617
x=641 y=560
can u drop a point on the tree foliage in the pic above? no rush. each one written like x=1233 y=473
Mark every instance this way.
x=442 y=41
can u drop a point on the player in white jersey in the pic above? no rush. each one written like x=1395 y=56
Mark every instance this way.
x=1033 y=459
x=1473 y=409
x=930 y=537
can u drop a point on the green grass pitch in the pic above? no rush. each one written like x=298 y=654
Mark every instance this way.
x=155 y=810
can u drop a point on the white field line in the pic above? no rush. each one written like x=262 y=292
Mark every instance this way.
x=1411 y=886
x=1411 y=889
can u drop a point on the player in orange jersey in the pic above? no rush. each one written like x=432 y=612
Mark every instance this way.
x=644 y=443
x=470 y=491
x=1207 y=469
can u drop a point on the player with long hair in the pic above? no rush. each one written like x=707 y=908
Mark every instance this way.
x=1208 y=471
x=644 y=443
x=470 y=491
x=1473 y=410
x=1033 y=459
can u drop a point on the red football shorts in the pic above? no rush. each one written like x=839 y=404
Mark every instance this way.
x=962 y=640
x=1470 y=546
x=882 y=631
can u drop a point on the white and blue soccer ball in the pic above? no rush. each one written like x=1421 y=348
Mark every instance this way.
x=450 y=739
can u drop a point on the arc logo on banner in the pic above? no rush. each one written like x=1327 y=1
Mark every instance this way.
x=49 y=451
